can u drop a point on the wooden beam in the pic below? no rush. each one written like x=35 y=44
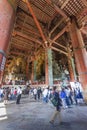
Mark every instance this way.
x=59 y=50
x=59 y=34
x=27 y=37
x=22 y=41
x=50 y=2
x=64 y=4
x=58 y=44
x=84 y=2
x=17 y=53
x=84 y=19
x=84 y=30
x=20 y=18
x=49 y=24
x=28 y=30
x=84 y=10
x=19 y=47
x=60 y=11
x=20 y=44
x=37 y=22
x=56 y=26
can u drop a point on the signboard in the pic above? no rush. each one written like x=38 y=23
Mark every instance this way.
x=2 y=62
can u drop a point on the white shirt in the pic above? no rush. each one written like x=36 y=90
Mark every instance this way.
x=35 y=91
x=19 y=91
x=45 y=92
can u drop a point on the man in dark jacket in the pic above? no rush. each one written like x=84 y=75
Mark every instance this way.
x=58 y=106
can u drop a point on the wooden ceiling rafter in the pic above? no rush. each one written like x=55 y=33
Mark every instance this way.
x=83 y=20
x=59 y=50
x=29 y=30
x=20 y=42
x=24 y=23
x=37 y=22
x=81 y=13
x=60 y=33
x=21 y=21
x=84 y=2
x=59 y=44
x=31 y=23
x=64 y=4
x=30 y=34
x=42 y=8
x=28 y=51
x=26 y=28
x=56 y=26
x=17 y=53
x=29 y=15
x=49 y=24
x=13 y=53
x=20 y=48
x=27 y=37
x=61 y=12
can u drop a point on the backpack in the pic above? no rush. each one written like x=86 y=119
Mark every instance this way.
x=56 y=100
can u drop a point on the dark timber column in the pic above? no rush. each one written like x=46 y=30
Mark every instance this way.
x=72 y=76
x=27 y=69
x=74 y=68
x=48 y=67
x=80 y=53
x=32 y=73
x=35 y=64
x=6 y=23
x=70 y=69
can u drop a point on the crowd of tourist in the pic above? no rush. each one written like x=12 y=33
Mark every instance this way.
x=7 y=94
x=68 y=95
x=59 y=96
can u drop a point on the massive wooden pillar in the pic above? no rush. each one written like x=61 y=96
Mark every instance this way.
x=79 y=52
x=48 y=67
x=27 y=69
x=70 y=69
x=35 y=64
x=70 y=64
x=74 y=68
x=32 y=73
x=6 y=24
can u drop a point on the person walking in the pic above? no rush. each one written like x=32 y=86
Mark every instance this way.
x=19 y=92
x=6 y=93
x=63 y=98
x=57 y=107
x=45 y=95
x=35 y=93
x=39 y=93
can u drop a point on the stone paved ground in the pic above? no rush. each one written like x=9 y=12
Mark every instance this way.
x=31 y=115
